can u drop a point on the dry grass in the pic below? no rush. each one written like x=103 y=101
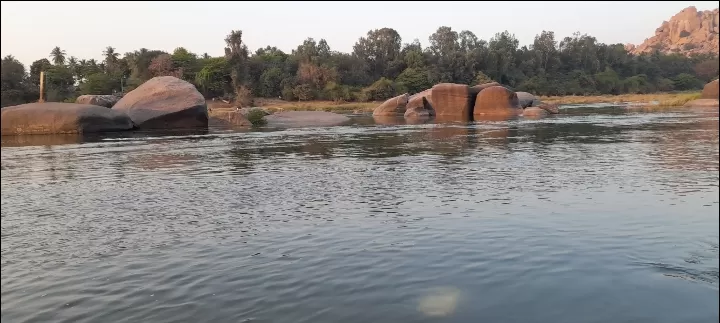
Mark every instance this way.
x=662 y=99
x=280 y=105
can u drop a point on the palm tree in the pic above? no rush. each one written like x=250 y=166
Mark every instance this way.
x=58 y=56
x=111 y=58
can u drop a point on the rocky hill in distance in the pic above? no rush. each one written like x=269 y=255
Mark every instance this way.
x=689 y=31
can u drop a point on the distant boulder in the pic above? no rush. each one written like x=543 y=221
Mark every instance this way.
x=392 y=107
x=56 y=118
x=107 y=101
x=710 y=91
x=165 y=102
x=527 y=99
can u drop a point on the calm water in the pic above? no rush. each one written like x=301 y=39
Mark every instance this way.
x=597 y=215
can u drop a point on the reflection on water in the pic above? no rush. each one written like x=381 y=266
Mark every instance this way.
x=594 y=215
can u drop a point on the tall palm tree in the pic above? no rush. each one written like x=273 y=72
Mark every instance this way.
x=58 y=55
x=111 y=58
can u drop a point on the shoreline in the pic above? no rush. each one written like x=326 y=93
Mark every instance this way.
x=652 y=99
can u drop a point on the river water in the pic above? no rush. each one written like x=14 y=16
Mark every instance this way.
x=595 y=215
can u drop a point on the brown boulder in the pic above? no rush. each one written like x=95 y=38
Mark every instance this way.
x=165 y=102
x=421 y=110
x=306 y=119
x=102 y=100
x=549 y=107
x=451 y=100
x=496 y=100
x=392 y=107
x=710 y=91
x=527 y=99
x=55 y=117
x=534 y=112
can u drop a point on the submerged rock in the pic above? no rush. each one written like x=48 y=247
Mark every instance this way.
x=306 y=119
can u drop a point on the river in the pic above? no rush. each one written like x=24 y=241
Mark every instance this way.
x=594 y=215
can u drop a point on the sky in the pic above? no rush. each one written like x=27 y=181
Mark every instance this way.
x=83 y=29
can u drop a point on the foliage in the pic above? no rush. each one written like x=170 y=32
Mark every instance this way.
x=256 y=117
x=380 y=66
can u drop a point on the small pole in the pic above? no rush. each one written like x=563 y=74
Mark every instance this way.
x=42 y=87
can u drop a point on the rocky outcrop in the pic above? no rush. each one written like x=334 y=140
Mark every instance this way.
x=165 y=102
x=527 y=100
x=496 y=101
x=392 y=107
x=534 y=112
x=107 y=101
x=550 y=108
x=65 y=118
x=306 y=119
x=710 y=91
x=690 y=31
x=452 y=100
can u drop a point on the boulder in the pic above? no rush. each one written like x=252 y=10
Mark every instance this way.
x=703 y=103
x=306 y=119
x=165 y=102
x=710 y=91
x=451 y=100
x=527 y=100
x=102 y=100
x=477 y=88
x=550 y=108
x=496 y=100
x=55 y=117
x=393 y=106
x=534 y=112
x=422 y=110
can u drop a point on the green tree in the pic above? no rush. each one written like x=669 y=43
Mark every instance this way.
x=58 y=56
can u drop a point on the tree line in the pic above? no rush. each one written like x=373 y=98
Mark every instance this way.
x=379 y=66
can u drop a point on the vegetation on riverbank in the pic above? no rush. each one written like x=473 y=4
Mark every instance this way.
x=379 y=67
x=661 y=99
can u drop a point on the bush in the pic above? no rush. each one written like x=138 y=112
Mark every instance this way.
x=256 y=117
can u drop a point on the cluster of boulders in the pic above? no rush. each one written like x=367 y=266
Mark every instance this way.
x=163 y=102
x=463 y=102
x=710 y=96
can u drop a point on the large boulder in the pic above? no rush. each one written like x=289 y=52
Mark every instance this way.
x=451 y=100
x=165 y=102
x=496 y=101
x=392 y=107
x=477 y=88
x=55 y=117
x=527 y=100
x=710 y=91
x=107 y=101
x=306 y=119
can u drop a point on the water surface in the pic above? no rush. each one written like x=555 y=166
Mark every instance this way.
x=596 y=215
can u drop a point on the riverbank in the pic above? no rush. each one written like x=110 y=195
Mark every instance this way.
x=654 y=99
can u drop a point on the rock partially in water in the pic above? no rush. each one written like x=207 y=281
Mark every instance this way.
x=526 y=99
x=56 y=117
x=452 y=100
x=534 y=113
x=419 y=108
x=306 y=119
x=107 y=101
x=165 y=102
x=497 y=101
x=392 y=107
x=703 y=103
x=549 y=107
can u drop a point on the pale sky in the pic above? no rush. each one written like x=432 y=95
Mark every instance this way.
x=83 y=29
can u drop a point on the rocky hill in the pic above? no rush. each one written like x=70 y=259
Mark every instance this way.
x=689 y=31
